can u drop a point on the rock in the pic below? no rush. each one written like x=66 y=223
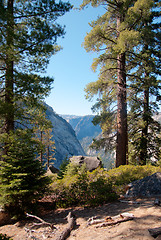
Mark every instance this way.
x=66 y=142
x=92 y=163
x=53 y=169
x=83 y=126
x=4 y=217
x=146 y=187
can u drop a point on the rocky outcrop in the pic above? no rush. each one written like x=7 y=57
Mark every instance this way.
x=92 y=163
x=66 y=142
x=146 y=187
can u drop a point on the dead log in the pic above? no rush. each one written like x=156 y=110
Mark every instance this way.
x=107 y=221
x=71 y=222
x=154 y=232
x=105 y=224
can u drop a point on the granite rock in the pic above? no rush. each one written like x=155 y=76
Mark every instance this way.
x=146 y=187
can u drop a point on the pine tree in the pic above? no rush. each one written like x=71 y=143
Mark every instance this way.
x=115 y=34
x=28 y=38
x=145 y=91
x=22 y=177
x=42 y=128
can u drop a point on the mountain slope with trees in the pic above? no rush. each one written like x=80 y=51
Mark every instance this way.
x=64 y=137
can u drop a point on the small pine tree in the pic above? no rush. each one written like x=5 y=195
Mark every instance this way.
x=22 y=177
x=63 y=167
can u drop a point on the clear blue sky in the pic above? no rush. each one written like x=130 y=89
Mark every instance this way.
x=71 y=67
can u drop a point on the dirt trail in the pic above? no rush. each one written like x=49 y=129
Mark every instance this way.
x=146 y=215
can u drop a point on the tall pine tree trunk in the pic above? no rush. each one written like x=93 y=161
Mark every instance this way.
x=9 y=95
x=144 y=137
x=121 y=143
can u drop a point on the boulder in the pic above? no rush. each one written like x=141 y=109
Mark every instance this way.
x=92 y=163
x=146 y=187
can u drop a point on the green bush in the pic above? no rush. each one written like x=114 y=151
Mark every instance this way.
x=4 y=237
x=126 y=174
x=22 y=177
x=80 y=187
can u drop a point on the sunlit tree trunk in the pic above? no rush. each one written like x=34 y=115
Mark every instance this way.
x=121 y=143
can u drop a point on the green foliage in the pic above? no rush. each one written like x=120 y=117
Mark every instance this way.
x=4 y=237
x=131 y=28
x=30 y=33
x=80 y=187
x=22 y=178
x=63 y=167
x=124 y=175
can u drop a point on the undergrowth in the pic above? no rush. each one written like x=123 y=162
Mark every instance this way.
x=4 y=237
x=80 y=187
x=126 y=174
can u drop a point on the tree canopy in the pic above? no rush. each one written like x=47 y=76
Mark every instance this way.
x=28 y=38
x=120 y=37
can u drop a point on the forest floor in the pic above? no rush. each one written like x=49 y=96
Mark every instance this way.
x=146 y=215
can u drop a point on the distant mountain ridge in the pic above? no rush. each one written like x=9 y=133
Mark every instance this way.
x=84 y=129
x=66 y=142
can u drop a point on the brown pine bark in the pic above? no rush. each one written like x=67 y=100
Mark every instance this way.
x=144 y=136
x=121 y=142
x=9 y=82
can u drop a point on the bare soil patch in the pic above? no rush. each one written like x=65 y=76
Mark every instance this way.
x=146 y=215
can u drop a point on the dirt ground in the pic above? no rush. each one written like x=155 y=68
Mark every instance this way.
x=146 y=215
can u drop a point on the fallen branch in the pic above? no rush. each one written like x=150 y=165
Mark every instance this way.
x=114 y=222
x=41 y=220
x=71 y=222
x=131 y=202
x=110 y=220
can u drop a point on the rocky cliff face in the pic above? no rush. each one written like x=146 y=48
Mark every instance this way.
x=66 y=142
x=86 y=132
x=84 y=129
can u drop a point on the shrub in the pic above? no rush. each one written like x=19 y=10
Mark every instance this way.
x=126 y=174
x=4 y=237
x=80 y=187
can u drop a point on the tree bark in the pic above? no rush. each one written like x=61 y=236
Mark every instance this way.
x=121 y=142
x=41 y=153
x=48 y=156
x=9 y=95
x=66 y=232
x=144 y=136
